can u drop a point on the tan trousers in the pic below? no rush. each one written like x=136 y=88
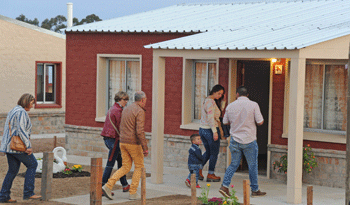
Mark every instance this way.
x=130 y=153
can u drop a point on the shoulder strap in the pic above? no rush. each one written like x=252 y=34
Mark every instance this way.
x=109 y=114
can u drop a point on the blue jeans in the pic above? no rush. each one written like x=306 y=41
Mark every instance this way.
x=211 y=148
x=250 y=152
x=194 y=168
x=14 y=162
x=109 y=142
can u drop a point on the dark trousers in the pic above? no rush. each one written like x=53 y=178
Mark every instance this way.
x=109 y=142
x=211 y=148
x=14 y=162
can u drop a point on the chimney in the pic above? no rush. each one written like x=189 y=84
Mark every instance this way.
x=69 y=15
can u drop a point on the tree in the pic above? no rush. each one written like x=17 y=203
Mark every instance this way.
x=59 y=22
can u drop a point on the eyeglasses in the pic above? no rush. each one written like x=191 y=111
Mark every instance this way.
x=126 y=99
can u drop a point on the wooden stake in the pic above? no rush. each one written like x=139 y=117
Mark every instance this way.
x=143 y=186
x=54 y=142
x=96 y=181
x=193 y=190
x=46 y=179
x=347 y=180
x=310 y=193
x=246 y=192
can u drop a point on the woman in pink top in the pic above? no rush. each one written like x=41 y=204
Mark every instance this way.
x=211 y=112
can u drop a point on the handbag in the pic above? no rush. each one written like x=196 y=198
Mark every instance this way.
x=17 y=143
x=116 y=141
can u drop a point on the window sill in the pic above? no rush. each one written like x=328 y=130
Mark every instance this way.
x=322 y=137
x=40 y=106
x=100 y=119
x=190 y=126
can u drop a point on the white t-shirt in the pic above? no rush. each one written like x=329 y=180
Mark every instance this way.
x=242 y=115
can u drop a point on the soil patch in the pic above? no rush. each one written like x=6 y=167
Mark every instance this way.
x=61 y=174
x=169 y=200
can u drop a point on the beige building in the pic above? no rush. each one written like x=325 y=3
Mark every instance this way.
x=33 y=60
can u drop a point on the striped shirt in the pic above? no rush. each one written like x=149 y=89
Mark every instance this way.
x=20 y=126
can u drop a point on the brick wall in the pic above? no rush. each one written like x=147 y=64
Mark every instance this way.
x=331 y=170
x=43 y=122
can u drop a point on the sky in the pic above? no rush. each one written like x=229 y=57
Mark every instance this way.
x=105 y=9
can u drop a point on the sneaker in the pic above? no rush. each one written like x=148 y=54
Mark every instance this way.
x=107 y=192
x=258 y=193
x=225 y=191
x=213 y=178
x=188 y=183
x=198 y=186
x=135 y=196
x=126 y=189
x=200 y=177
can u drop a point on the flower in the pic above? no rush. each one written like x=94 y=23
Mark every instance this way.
x=208 y=185
x=233 y=200
x=309 y=161
x=77 y=168
x=232 y=186
x=225 y=202
x=67 y=171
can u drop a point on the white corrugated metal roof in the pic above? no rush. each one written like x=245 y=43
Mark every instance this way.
x=259 y=25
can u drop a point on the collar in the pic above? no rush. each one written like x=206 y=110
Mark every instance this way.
x=195 y=145
x=140 y=106
x=242 y=98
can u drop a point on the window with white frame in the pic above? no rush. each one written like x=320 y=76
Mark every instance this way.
x=124 y=75
x=205 y=77
x=325 y=98
x=46 y=83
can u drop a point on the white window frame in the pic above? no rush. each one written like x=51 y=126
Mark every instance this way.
x=54 y=79
x=102 y=81
x=187 y=120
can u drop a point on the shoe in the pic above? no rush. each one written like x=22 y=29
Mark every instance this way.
x=188 y=183
x=135 y=196
x=198 y=186
x=258 y=193
x=9 y=201
x=105 y=195
x=225 y=191
x=34 y=197
x=213 y=178
x=200 y=177
x=126 y=189
x=107 y=192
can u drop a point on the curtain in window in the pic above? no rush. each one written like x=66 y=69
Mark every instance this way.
x=211 y=76
x=116 y=79
x=313 y=96
x=40 y=82
x=200 y=90
x=132 y=79
x=335 y=98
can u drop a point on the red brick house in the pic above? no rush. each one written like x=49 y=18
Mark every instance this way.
x=293 y=63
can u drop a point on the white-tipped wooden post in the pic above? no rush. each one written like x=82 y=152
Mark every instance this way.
x=54 y=142
x=96 y=181
x=46 y=177
x=143 y=186
x=310 y=194
x=246 y=192
x=193 y=190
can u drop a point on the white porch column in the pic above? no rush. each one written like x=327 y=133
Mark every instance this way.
x=157 y=141
x=295 y=130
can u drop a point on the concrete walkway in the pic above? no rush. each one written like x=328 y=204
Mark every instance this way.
x=174 y=184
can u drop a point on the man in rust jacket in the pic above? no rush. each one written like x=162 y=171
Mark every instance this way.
x=133 y=146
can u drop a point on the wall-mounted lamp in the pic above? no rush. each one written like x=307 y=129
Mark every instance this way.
x=278 y=69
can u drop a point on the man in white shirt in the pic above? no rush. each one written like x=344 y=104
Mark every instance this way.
x=243 y=115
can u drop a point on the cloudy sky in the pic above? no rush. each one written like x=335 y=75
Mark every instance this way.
x=105 y=9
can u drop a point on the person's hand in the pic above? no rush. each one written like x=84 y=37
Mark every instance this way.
x=145 y=153
x=29 y=151
x=216 y=136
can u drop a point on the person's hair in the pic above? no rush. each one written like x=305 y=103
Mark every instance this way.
x=25 y=100
x=139 y=95
x=242 y=91
x=192 y=137
x=215 y=89
x=121 y=95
